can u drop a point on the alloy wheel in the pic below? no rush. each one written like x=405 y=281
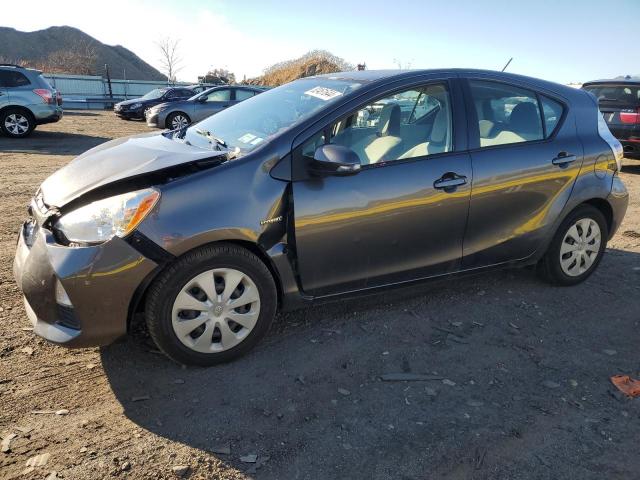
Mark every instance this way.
x=580 y=247
x=216 y=310
x=16 y=124
x=179 y=121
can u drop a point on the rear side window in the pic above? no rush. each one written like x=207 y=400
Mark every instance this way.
x=552 y=112
x=9 y=78
x=244 y=94
x=506 y=114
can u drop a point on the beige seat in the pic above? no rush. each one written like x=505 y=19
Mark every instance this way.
x=438 y=139
x=379 y=147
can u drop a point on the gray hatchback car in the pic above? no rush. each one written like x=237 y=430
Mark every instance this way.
x=26 y=100
x=325 y=187
x=185 y=112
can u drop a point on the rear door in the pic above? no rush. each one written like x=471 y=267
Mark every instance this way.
x=240 y=94
x=526 y=157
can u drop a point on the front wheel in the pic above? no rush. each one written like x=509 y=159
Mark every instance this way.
x=177 y=120
x=212 y=305
x=577 y=247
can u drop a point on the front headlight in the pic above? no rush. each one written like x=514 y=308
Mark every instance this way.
x=134 y=106
x=103 y=219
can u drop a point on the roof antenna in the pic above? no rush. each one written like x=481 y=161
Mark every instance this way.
x=505 y=67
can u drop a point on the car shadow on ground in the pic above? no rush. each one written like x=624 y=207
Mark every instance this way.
x=51 y=143
x=517 y=367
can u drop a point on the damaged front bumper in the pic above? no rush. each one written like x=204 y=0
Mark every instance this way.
x=77 y=296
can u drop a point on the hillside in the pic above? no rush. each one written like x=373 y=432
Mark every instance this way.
x=36 y=48
x=316 y=62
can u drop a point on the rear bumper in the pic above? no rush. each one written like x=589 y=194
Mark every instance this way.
x=46 y=113
x=631 y=148
x=99 y=280
x=619 y=200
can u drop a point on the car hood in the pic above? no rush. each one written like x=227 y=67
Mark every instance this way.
x=117 y=160
x=131 y=102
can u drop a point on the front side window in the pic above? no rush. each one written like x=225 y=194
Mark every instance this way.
x=413 y=123
x=219 y=96
x=506 y=114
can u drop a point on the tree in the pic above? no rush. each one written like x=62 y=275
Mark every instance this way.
x=80 y=60
x=170 y=57
x=218 y=76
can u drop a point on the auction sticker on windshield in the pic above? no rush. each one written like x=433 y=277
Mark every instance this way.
x=323 y=93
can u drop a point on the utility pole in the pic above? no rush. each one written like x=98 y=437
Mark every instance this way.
x=106 y=70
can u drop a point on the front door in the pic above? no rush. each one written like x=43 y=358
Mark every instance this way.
x=214 y=102
x=526 y=160
x=403 y=216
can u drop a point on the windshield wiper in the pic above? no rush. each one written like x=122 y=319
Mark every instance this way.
x=218 y=142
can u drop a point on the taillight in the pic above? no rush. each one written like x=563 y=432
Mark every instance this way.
x=614 y=143
x=629 y=116
x=46 y=95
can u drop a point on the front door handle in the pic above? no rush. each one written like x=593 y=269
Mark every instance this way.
x=564 y=159
x=449 y=181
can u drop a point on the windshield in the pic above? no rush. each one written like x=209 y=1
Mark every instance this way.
x=252 y=122
x=155 y=93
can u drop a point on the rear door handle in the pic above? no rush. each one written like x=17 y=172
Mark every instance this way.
x=449 y=181
x=564 y=158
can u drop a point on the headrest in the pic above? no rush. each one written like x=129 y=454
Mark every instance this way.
x=525 y=118
x=389 y=123
x=440 y=127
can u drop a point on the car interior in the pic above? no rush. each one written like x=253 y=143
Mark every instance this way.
x=403 y=126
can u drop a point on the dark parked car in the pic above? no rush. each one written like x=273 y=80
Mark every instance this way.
x=619 y=102
x=182 y=113
x=26 y=100
x=289 y=198
x=136 y=107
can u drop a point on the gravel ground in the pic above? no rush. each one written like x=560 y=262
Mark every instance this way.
x=517 y=374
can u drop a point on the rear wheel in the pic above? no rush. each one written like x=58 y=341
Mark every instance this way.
x=577 y=248
x=212 y=305
x=177 y=120
x=16 y=123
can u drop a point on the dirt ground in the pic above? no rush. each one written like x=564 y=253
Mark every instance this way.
x=520 y=374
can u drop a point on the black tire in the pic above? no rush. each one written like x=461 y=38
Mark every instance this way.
x=165 y=288
x=169 y=121
x=549 y=267
x=23 y=114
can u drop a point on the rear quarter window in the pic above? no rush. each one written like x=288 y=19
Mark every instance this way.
x=552 y=113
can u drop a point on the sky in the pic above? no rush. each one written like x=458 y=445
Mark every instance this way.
x=559 y=40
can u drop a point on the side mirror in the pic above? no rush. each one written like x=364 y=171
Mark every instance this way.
x=334 y=160
x=202 y=99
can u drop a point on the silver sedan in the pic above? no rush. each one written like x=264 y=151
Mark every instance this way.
x=182 y=113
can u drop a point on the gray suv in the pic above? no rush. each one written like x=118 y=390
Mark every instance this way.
x=26 y=100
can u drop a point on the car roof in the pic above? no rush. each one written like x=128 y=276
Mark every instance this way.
x=628 y=80
x=375 y=76
x=19 y=67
